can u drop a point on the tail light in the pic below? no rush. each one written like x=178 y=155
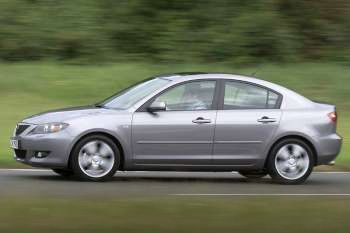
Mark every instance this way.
x=333 y=116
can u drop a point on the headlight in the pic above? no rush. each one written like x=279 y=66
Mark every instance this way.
x=49 y=128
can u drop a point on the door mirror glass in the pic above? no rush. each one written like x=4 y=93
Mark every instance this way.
x=157 y=107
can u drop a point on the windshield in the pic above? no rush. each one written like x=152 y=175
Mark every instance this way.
x=134 y=94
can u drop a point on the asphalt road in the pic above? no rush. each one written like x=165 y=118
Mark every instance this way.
x=29 y=183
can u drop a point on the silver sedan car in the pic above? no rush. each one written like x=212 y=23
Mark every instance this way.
x=185 y=122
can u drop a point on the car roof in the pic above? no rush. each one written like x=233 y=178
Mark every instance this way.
x=183 y=76
x=188 y=76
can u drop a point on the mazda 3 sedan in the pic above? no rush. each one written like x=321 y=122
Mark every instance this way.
x=185 y=122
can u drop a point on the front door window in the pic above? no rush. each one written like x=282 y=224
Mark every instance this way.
x=191 y=96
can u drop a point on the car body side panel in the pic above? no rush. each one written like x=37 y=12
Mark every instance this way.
x=171 y=138
x=240 y=138
x=116 y=124
x=315 y=126
x=111 y=122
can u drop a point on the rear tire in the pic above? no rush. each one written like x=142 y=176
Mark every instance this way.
x=63 y=172
x=291 y=161
x=95 y=158
x=253 y=174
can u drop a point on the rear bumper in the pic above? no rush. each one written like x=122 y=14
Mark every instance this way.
x=56 y=146
x=328 y=148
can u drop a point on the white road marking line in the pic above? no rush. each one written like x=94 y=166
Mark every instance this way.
x=329 y=172
x=260 y=194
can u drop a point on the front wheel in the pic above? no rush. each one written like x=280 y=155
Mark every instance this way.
x=291 y=162
x=95 y=158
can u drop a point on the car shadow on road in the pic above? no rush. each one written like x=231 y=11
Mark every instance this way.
x=122 y=177
x=156 y=179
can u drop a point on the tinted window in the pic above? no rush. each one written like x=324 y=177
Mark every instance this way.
x=197 y=95
x=272 y=100
x=240 y=95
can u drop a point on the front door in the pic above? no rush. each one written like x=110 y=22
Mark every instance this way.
x=183 y=134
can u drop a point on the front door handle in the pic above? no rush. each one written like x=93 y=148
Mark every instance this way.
x=266 y=119
x=201 y=120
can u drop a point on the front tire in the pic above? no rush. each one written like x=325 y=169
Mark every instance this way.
x=291 y=161
x=95 y=158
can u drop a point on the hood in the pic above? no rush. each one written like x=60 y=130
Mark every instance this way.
x=65 y=114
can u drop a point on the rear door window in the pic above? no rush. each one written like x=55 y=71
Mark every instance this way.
x=240 y=95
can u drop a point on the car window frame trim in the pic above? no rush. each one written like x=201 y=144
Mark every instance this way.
x=215 y=104
x=222 y=95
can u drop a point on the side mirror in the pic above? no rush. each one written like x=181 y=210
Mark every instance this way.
x=157 y=107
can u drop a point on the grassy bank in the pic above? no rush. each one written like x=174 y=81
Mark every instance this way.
x=153 y=215
x=29 y=88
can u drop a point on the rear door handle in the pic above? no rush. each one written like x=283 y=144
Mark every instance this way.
x=201 y=120
x=267 y=120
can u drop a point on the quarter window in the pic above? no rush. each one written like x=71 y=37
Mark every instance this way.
x=239 y=95
x=196 y=95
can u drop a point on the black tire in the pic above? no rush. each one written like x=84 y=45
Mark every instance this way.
x=277 y=176
x=63 y=172
x=79 y=173
x=253 y=174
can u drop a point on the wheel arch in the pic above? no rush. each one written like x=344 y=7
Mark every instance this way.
x=293 y=136
x=106 y=134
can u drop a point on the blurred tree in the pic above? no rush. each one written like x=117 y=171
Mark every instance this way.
x=175 y=31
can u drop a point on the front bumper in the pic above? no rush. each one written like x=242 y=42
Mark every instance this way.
x=57 y=145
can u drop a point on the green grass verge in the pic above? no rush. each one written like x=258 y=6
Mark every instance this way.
x=176 y=215
x=29 y=88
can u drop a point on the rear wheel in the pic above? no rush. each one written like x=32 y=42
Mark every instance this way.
x=253 y=174
x=95 y=158
x=291 y=161
x=63 y=172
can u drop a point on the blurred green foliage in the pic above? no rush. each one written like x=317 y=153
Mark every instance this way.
x=233 y=31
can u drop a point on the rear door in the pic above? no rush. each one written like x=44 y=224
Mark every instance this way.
x=248 y=118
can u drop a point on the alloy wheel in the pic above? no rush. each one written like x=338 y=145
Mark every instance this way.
x=96 y=159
